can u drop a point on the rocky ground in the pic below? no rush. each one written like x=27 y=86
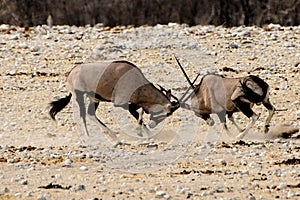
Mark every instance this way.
x=43 y=159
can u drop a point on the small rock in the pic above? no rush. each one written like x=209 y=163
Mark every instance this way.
x=4 y=190
x=19 y=195
x=277 y=172
x=244 y=162
x=83 y=168
x=68 y=163
x=44 y=196
x=167 y=196
x=289 y=44
x=29 y=194
x=244 y=172
x=58 y=176
x=256 y=165
x=4 y=27
x=291 y=194
x=24 y=182
x=294 y=172
x=223 y=162
x=233 y=46
x=130 y=189
x=251 y=197
x=79 y=187
x=274 y=27
x=35 y=49
x=160 y=194
x=24 y=46
x=13 y=37
x=281 y=186
x=219 y=190
x=243 y=187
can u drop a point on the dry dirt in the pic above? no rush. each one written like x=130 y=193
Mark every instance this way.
x=43 y=159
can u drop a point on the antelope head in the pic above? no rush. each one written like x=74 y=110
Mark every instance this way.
x=159 y=112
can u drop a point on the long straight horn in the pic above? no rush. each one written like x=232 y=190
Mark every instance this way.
x=184 y=73
x=187 y=91
x=163 y=89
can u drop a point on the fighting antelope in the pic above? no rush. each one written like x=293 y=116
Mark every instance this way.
x=121 y=83
x=219 y=95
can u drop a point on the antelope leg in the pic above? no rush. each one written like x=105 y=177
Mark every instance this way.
x=245 y=107
x=92 y=115
x=79 y=99
x=234 y=123
x=222 y=117
x=253 y=118
x=137 y=112
x=271 y=110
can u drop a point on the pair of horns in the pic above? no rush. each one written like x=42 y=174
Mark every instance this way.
x=181 y=100
x=188 y=80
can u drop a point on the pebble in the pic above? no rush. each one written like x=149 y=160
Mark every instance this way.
x=24 y=182
x=255 y=165
x=18 y=194
x=223 y=162
x=84 y=168
x=282 y=186
x=79 y=187
x=233 y=46
x=4 y=27
x=29 y=194
x=244 y=172
x=251 y=197
x=44 y=196
x=292 y=194
x=162 y=194
x=298 y=113
x=274 y=27
x=244 y=162
x=13 y=37
x=57 y=176
x=68 y=162
x=4 y=190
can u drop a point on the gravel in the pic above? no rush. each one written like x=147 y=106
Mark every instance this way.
x=186 y=159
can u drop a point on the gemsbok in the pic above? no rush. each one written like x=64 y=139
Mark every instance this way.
x=121 y=83
x=216 y=94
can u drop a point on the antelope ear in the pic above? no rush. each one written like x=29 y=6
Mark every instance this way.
x=168 y=93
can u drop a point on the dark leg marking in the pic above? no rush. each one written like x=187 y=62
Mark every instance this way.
x=268 y=105
x=244 y=107
x=222 y=116
x=92 y=108
x=133 y=110
x=80 y=101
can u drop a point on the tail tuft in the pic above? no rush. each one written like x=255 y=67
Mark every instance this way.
x=58 y=105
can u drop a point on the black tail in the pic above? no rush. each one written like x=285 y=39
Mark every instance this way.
x=58 y=105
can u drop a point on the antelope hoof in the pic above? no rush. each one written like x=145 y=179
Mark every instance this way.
x=227 y=131
x=152 y=124
x=112 y=135
x=119 y=143
x=210 y=122
x=240 y=136
x=267 y=128
x=139 y=131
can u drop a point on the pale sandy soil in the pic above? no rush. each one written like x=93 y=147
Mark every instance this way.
x=186 y=159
